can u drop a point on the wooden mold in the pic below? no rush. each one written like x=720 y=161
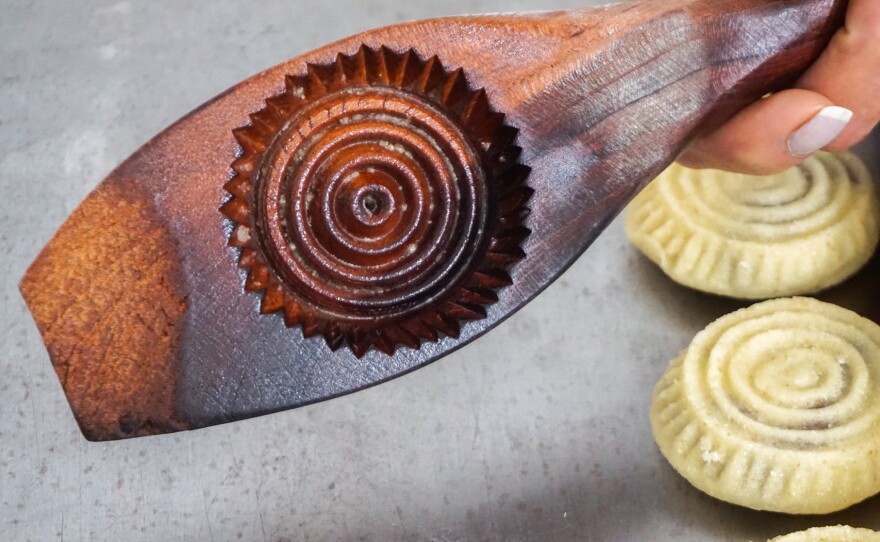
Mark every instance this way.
x=363 y=209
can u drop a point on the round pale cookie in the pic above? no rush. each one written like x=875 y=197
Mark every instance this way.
x=741 y=236
x=841 y=533
x=776 y=407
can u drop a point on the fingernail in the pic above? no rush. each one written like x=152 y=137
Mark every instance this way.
x=819 y=131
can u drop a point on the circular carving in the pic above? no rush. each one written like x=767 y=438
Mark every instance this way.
x=377 y=201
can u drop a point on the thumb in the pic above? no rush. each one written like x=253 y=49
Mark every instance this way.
x=770 y=135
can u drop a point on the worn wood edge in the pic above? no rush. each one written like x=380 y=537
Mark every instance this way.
x=120 y=382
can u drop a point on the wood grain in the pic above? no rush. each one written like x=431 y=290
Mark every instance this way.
x=603 y=100
x=107 y=297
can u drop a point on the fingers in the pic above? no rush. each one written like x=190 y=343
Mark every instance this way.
x=771 y=135
x=777 y=132
x=848 y=72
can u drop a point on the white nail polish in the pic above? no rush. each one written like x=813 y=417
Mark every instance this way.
x=819 y=131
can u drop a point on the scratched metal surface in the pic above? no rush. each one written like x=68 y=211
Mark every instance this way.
x=537 y=432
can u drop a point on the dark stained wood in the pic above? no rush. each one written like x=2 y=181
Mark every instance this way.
x=378 y=202
x=168 y=338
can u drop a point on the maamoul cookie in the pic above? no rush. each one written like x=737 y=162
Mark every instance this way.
x=841 y=533
x=748 y=237
x=776 y=407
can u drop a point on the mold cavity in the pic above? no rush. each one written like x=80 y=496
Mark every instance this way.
x=371 y=204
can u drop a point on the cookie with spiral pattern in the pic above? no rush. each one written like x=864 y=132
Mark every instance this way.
x=776 y=407
x=840 y=533
x=756 y=237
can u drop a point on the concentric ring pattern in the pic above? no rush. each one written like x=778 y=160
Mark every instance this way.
x=793 y=233
x=378 y=201
x=777 y=407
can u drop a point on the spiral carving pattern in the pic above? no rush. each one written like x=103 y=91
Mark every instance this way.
x=374 y=212
x=777 y=406
x=796 y=232
x=378 y=201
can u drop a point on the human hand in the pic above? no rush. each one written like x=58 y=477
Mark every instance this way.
x=834 y=105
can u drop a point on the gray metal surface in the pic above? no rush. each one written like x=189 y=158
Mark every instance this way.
x=537 y=432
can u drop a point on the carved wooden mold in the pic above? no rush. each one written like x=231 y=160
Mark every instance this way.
x=378 y=193
x=377 y=201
